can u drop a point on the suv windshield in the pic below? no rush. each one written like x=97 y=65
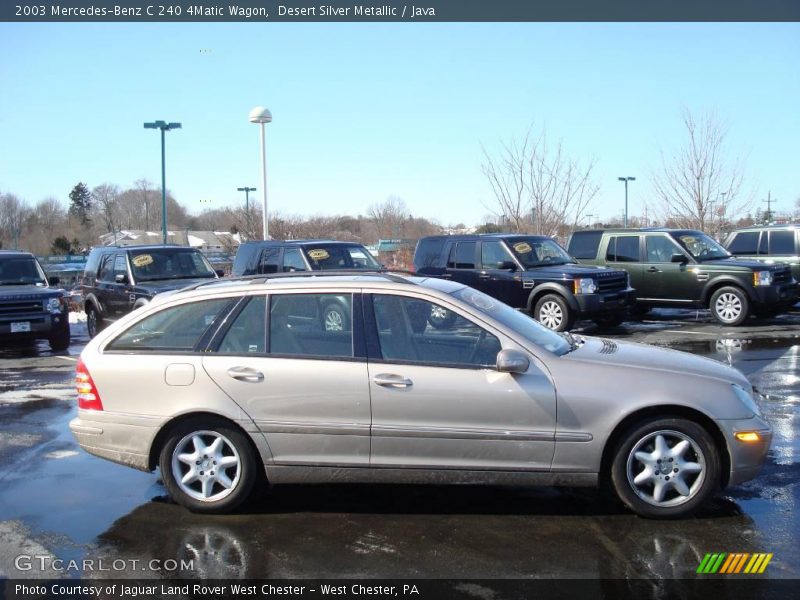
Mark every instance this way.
x=515 y=320
x=324 y=257
x=700 y=246
x=21 y=270
x=153 y=264
x=537 y=252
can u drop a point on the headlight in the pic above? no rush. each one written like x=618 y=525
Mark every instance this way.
x=584 y=286
x=54 y=305
x=747 y=399
x=762 y=277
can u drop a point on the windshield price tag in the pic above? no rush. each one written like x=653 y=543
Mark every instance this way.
x=20 y=327
x=318 y=254
x=142 y=260
x=522 y=247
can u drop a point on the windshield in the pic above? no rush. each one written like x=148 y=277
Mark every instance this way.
x=700 y=246
x=536 y=252
x=22 y=270
x=515 y=320
x=335 y=256
x=154 y=264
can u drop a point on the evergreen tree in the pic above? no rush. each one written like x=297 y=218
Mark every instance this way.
x=80 y=199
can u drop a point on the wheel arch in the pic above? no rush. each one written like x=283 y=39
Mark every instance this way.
x=92 y=301
x=724 y=281
x=163 y=435
x=666 y=412
x=551 y=288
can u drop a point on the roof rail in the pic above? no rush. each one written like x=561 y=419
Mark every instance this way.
x=395 y=277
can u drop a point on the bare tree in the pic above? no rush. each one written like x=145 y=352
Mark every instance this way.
x=536 y=186
x=47 y=221
x=13 y=216
x=699 y=186
x=390 y=217
x=144 y=191
x=105 y=198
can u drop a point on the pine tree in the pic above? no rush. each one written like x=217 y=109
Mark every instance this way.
x=80 y=199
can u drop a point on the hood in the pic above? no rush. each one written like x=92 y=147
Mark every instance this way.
x=746 y=263
x=166 y=285
x=643 y=356
x=27 y=292
x=574 y=269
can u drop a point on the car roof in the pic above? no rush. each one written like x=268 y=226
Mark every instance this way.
x=145 y=247
x=15 y=254
x=782 y=226
x=487 y=236
x=299 y=242
x=637 y=230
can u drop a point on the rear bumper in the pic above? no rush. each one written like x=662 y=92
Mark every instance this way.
x=604 y=303
x=119 y=438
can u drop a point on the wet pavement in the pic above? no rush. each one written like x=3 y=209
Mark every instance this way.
x=60 y=503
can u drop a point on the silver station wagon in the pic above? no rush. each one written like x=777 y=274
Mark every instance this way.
x=223 y=384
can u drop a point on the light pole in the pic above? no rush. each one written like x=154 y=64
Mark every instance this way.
x=163 y=126
x=246 y=191
x=589 y=220
x=262 y=116
x=626 y=180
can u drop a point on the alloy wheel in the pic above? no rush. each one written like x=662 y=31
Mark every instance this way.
x=728 y=306
x=551 y=315
x=206 y=466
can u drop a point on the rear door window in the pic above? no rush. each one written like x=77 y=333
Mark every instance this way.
x=623 y=248
x=311 y=325
x=584 y=245
x=268 y=262
x=744 y=243
x=462 y=256
x=247 y=333
x=782 y=242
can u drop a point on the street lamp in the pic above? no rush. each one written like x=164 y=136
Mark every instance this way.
x=163 y=126
x=246 y=191
x=626 y=180
x=262 y=116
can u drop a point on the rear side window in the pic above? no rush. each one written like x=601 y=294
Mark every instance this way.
x=177 y=328
x=744 y=243
x=311 y=325
x=106 y=268
x=624 y=248
x=583 y=245
x=247 y=334
x=782 y=242
x=462 y=256
x=429 y=253
x=268 y=261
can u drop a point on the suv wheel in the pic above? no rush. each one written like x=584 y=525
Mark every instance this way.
x=730 y=306
x=553 y=312
x=665 y=468
x=208 y=466
x=94 y=324
x=60 y=339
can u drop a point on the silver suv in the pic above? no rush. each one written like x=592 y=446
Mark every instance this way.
x=223 y=384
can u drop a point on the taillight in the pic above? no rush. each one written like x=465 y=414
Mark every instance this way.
x=88 y=398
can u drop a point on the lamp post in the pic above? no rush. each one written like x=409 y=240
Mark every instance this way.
x=262 y=116
x=163 y=126
x=246 y=191
x=626 y=180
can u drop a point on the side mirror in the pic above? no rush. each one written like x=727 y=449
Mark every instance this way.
x=512 y=361
x=53 y=280
x=679 y=258
x=120 y=278
x=219 y=272
x=506 y=265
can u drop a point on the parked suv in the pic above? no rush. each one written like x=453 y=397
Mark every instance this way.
x=531 y=273
x=227 y=385
x=29 y=308
x=119 y=279
x=274 y=256
x=773 y=243
x=682 y=267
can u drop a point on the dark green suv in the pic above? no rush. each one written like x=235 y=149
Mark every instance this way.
x=686 y=268
x=769 y=243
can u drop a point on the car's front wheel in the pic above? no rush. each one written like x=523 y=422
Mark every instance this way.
x=665 y=468
x=730 y=306
x=59 y=340
x=93 y=321
x=553 y=312
x=208 y=466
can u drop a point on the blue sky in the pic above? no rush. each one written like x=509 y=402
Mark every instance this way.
x=365 y=111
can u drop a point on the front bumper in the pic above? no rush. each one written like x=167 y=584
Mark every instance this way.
x=39 y=326
x=746 y=457
x=620 y=301
x=785 y=294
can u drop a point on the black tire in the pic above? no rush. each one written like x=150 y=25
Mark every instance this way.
x=94 y=322
x=553 y=312
x=609 y=319
x=334 y=318
x=729 y=305
x=441 y=318
x=641 y=497
x=59 y=341
x=235 y=444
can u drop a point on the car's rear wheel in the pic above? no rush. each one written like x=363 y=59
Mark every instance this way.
x=730 y=306
x=94 y=324
x=553 y=312
x=60 y=339
x=208 y=466
x=665 y=468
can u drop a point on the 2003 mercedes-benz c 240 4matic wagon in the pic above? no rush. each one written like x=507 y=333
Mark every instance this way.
x=224 y=383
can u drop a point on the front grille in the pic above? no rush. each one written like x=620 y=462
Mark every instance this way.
x=783 y=275
x=21 y=307
x=612 y=283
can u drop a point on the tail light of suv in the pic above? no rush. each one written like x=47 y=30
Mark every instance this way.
x=88 y=398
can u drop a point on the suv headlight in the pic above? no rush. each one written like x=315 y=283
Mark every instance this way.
x=748 y=399
x=584 y=285
x=54 y=305
x=762 y=277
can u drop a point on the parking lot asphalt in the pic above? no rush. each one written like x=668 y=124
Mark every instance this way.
x=56 y=501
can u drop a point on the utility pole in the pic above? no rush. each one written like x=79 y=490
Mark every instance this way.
x=768 y=202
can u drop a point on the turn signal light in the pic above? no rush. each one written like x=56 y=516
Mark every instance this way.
x=747 y=436
x=88 y=398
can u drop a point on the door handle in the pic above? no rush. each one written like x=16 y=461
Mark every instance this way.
x=654 y=270
x=447 y=276
x=484 y=276
x=392 y=381
x=246 y=374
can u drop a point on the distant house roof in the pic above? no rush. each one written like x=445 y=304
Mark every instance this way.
x=205 y=240
x=394 y=245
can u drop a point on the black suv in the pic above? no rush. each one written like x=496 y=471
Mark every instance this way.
x=119 y=279
x=29 y=308
x=770 y=243
x=273 y=256
x=686 y=268
x=532 y=273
